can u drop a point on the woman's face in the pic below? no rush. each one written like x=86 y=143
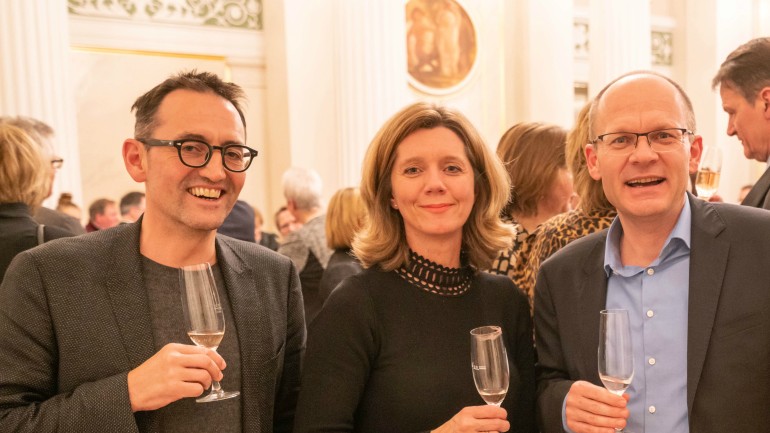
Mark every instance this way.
x=559 y=197
x=433 y=186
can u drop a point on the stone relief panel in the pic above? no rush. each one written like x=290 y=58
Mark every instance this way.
x=662 y=45
x=242 y=14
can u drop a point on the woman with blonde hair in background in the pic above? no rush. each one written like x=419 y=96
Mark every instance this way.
x=541 y=187
x=25 y=177
x=393 y=342
x=345 y=215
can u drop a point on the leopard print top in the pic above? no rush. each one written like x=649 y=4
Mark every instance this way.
x=512 y=262
x=522 y=261
x=557 y=232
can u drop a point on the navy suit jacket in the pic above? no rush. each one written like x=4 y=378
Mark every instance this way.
x=728 y=345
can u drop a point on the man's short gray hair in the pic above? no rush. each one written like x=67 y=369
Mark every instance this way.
x=303 y=187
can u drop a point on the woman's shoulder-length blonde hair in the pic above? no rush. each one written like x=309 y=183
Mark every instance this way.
x=24 y=171
x=382 y=240
x=345 y=215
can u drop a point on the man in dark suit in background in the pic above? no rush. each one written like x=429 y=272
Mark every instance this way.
x=693 y=276
x=93 y=337
x=744 y=85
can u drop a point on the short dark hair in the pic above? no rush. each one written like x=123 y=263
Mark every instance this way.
x=747 y=69
x=147 y=105
x=133 y=198
x=98 y=206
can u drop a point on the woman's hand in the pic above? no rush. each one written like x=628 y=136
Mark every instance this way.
x=477 y=419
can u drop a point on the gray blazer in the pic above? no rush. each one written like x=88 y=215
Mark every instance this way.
x=74 y=319
x=759 y=196
x=728 y=347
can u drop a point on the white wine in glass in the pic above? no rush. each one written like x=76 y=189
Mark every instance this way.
x=616 y=354
x=204 y=317
x=707 y=179
x=489 y=362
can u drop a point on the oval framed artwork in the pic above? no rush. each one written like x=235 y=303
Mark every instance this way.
x=441 y=44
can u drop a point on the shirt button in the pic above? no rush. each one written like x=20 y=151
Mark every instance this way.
x=650 y=271
x=651 y=361
x=651 y=409
x=650 y=313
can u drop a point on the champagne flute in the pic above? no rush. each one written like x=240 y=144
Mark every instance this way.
x=707 y=179
x=616 y=355
x=204 y=317
x=489 y=362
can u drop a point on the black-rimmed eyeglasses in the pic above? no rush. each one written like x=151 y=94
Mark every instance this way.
x=196 y=154
x=661 y=140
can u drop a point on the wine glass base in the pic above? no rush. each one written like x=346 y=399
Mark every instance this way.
x=216 y=396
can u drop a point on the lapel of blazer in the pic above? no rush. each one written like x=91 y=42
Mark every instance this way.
x=128 y=295
x=708 y=260
x=758 y=196
x=593 y=298
x=240 y=285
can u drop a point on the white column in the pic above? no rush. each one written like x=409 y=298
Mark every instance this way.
x=619 y=40
x=539 y=78
x=34 y=79
x=370 y=74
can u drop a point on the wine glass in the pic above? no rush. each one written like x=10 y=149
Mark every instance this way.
x=204 y=317
x=616 y=355
x=707 y=179
x=489 y=362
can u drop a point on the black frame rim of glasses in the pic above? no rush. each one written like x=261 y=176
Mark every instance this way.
x=154 y=142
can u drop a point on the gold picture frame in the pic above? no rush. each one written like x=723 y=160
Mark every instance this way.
x=442 y=46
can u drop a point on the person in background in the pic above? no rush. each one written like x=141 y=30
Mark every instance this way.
x=239 y=223
x=345 y=216
x=285 y=223
x=43 y=136
x=103 y=214
x=93 y=333
x=132 y=207
x=541 y=187
x=592 y=213
x=744 y=86
x=692 y=275
x=306 y=246
x=266 y=239
x=65 y=205
x=392 y=343
x=25 y=181
x=744 y=191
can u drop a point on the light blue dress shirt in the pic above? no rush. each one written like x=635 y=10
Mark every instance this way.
x=656 y=298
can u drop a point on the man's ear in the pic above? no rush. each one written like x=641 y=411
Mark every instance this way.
x=592 y=162
x=696 y=150
x=764 y=95
x=135 y=159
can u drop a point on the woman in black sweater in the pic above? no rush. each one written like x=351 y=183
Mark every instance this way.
x=390 y=351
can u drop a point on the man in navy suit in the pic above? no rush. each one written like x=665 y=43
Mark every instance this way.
x=693 y=276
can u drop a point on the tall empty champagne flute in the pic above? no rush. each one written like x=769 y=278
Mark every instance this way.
x=489 y=362
x=204 y=317
x=616 y=354
x=707 y=179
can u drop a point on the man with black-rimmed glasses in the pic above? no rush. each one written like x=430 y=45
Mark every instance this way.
x=93 y=336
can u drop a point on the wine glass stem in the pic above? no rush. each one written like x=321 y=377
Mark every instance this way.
x=216 y=388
